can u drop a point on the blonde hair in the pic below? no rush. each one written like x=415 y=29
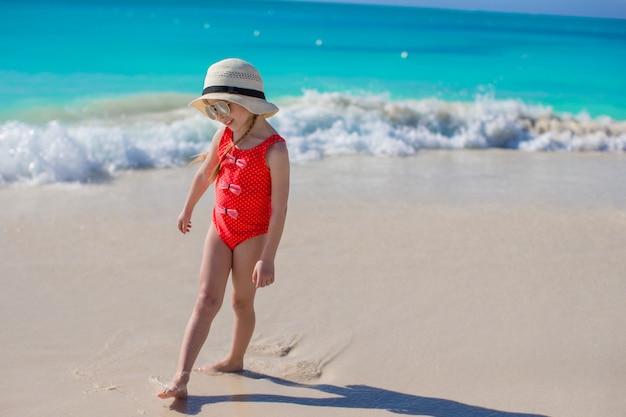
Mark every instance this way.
x=203 y=156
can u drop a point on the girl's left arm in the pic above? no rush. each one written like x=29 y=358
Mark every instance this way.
x=278 y=163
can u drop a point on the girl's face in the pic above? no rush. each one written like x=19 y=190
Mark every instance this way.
x=236 y=119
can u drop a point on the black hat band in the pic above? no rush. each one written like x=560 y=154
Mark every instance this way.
x=234 y=90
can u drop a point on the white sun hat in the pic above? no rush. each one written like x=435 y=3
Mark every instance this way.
x=236 y=81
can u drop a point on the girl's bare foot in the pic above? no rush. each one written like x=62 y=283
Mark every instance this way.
x=226 y=365
x=177 y=388
x=180 y=393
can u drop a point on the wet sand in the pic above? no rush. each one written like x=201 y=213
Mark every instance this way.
x=448 y=284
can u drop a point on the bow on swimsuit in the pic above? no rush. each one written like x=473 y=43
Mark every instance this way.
x=243 y=191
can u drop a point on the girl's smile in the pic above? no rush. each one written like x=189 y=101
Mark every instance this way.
x=233 y=115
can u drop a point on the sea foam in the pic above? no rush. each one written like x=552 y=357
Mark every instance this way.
x=315 y=125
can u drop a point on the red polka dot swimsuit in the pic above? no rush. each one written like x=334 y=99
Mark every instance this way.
x=243 y=191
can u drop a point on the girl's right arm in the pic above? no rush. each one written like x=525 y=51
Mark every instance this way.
x=201 y=182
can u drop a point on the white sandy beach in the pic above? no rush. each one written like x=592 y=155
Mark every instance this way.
x=449 y=284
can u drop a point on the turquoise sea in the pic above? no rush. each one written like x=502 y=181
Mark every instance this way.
x=88 y=89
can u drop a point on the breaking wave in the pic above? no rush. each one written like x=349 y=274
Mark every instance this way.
x=95 y=144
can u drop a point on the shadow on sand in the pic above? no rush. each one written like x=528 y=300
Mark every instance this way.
x=351 y=396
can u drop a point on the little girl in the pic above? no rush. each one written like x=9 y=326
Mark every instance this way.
x=249 y=163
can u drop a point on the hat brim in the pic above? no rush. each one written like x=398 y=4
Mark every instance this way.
x=252 y=104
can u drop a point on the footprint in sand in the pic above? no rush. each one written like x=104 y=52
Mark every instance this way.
x=288 y=358
x=272 y=348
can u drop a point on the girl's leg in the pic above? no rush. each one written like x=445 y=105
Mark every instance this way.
x=214 y=271
x=245 y=257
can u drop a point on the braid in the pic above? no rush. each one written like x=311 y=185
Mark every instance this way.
x=216 y=170
x=254 y=116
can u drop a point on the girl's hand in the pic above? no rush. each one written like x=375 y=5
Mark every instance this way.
x=184 y=222
x=263 y=274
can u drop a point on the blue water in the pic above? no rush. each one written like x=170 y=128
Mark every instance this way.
x=91 y=88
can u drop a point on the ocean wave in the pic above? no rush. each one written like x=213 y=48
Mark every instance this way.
x=320 y=125
x=101 y=143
